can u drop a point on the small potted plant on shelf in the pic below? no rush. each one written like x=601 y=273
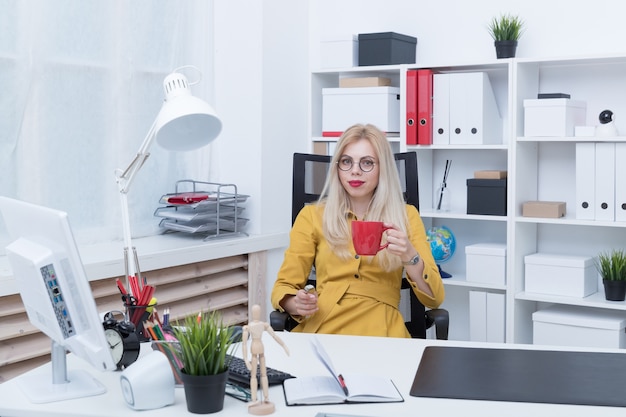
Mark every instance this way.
x=506 y=30
x=205 y=341
x=612 y=268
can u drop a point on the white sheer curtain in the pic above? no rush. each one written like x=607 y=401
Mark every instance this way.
x=81 y=84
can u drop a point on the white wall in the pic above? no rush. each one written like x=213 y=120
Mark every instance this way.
x=261 y=67
x=449 y=31
x=264 y=51
x=261 y=70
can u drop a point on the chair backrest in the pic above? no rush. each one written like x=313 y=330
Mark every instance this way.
x=310 y=171
x=407 y=169
x=309 y=174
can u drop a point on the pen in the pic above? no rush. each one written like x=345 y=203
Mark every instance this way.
x=343 y=384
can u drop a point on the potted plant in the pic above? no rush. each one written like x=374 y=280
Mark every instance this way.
x=204 y=343
x=612 y=268
x=506 y=30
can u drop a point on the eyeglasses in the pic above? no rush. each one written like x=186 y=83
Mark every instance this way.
x=366 y=164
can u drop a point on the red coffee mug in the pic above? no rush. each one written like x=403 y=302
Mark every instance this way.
x=366 y=237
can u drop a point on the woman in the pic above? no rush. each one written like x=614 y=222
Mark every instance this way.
x=356 y=295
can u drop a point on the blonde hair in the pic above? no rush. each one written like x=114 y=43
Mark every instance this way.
x=387 y=204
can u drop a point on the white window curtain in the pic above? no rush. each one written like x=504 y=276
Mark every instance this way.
x=81 y=84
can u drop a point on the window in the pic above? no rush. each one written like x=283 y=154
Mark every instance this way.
x=82 y=84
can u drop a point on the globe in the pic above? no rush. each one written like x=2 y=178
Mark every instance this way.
x=442 y=243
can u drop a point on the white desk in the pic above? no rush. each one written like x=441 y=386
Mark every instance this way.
x=396 y=358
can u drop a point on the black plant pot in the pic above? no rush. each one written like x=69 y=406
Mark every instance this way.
x=505 y=49
x=204 y=393
x=614 y=290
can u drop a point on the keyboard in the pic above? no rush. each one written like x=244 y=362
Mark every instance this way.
x=239 y=374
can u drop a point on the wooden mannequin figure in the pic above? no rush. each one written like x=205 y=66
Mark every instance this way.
x=254 y=330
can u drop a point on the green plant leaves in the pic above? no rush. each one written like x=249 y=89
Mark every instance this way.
x=612 y=265
x=506 y=27
x=204 y=342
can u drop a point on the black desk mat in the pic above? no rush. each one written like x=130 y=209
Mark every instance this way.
x=538 y=376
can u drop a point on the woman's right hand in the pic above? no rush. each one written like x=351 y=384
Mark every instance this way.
x=302 y=304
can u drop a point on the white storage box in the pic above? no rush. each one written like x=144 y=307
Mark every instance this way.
x=486 y=262
x=553 y=116
x=339 y=52
x=343 y=107
x=566 y=275
x=564 y=325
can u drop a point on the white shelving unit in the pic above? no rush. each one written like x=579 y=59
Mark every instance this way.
x=538 y=169
x=544 y=169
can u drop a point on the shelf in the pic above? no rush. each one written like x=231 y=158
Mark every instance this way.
x=179 y=213
x=572 y=139
x=393 y=139
x=378 y=69
x=577 y=61
x=503 y=147
x=595 y=300
x=458 y=280
x=105 y=260
x=569 y=220
x=461 y=216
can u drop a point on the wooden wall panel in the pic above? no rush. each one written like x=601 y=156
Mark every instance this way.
x=221 y=284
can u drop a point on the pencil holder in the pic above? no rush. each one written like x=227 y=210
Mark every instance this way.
x=171 y=349
x=137 y=314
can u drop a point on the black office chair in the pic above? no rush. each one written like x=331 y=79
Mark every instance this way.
x=309 y=174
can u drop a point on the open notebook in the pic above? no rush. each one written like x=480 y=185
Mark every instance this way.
x=338 y=388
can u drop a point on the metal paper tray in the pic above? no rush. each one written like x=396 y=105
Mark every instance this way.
x=203 y=226
x=208 y=204
x=176 y=213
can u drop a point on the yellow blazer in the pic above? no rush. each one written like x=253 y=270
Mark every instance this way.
x=354 y=295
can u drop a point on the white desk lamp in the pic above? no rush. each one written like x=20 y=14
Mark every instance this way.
x=184 y=123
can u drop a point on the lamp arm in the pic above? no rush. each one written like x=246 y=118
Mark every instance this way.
x=124 y=180
x=126 y=177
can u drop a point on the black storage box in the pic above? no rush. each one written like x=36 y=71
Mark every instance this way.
x=486 y=197
x=386 y=48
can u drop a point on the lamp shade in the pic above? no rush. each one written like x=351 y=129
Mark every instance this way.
x=185 y=122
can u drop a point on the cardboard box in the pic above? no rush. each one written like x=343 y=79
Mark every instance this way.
x=550 y=209
x=553 y=117
x=386 y=48
x=490 y=175
x=565 y=325
x=343 y=107
x=339 y=52
x=563 y=275
x=348 y=82
x=486 y=197
x=486 y=262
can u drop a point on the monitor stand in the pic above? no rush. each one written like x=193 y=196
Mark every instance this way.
x=44 y=388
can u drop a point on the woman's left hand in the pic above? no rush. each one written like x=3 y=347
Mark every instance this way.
x=399 y=243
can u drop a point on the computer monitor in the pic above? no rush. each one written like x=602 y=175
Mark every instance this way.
x=53 y=285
